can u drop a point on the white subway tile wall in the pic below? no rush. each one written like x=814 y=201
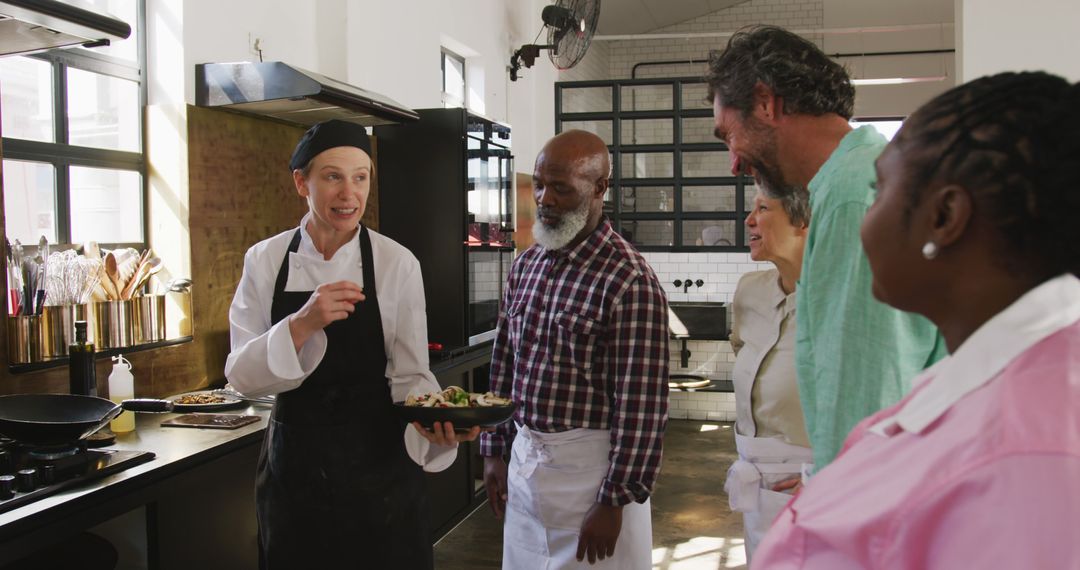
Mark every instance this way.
x=711 y=406
x=719 y=272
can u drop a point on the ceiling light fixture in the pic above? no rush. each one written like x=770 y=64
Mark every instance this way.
x=898 y=80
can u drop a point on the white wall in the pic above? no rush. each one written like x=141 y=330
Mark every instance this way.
x=918 y=25
x=392 y=48
x=1005 y=35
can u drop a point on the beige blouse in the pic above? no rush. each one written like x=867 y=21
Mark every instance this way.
x=763 y=338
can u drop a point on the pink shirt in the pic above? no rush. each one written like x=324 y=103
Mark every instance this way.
x=979 y=467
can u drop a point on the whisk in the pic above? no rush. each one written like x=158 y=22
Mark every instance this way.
x=71 y=278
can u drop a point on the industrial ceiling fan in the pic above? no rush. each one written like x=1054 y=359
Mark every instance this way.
x=570 y=25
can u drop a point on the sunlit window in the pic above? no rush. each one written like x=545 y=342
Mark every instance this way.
x=453 y=79
x=72 y=126
x=886 y=126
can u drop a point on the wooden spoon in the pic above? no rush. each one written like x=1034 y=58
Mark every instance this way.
x=112 y=288
x=145 y=270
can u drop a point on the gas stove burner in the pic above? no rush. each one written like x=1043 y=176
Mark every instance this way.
x=30 y=473
x=52 y=452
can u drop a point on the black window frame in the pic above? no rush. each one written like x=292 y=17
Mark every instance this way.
x=62 y=155
x=614 y=208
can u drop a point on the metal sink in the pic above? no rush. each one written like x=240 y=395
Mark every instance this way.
x=698 y=320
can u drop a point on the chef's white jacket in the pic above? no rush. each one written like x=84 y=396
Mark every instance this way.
x=263 y=359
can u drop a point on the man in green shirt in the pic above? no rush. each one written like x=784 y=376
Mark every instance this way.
x=782 y=107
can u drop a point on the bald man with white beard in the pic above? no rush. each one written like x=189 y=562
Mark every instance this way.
x=582 y=350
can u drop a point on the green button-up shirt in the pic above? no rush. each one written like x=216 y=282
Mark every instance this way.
x=854 y=355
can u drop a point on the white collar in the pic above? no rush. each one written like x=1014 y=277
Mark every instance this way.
x=307 y=245
x=1036 y=315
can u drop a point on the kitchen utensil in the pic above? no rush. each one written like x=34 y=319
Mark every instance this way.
x=112 y=288
x=179 y=284
x=53 y=419
x=460 y=417
x=125 y=270
x=147 y=268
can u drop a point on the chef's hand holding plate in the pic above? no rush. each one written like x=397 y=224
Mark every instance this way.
x=442 y=433
x=329 y=302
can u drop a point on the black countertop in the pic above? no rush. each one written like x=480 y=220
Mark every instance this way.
x=176 y=449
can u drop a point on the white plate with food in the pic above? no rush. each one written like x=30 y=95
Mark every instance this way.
x=204 y=401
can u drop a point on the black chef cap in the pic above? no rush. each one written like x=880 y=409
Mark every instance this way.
x=326 y=135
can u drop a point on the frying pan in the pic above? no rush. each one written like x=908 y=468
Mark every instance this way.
x=60 y=419
x=53 y=419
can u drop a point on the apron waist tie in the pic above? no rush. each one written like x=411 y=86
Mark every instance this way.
x=760 y=456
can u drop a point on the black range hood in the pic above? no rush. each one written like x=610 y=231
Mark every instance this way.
x=33 y=25
x=287 y=93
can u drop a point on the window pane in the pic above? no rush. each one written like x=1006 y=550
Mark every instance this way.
x=646 y=131
x=693 y=96
x=648 y=232
x=586 y=99
x=709 y=233
x=648 y=199
x=126 y=11
x=698 y=130
x=646 y=97
x=29 y=201
x=708 y=198
x=646 y=165
x=453 y=79
x=26 y=98
x=106 y=205
x=103 y=111
x=749 y=191
x=601 y=129
x=706 y=164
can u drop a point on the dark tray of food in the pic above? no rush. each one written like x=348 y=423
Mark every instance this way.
x=454 y=405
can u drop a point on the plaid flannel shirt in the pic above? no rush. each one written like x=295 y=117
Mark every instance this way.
x=582 y=342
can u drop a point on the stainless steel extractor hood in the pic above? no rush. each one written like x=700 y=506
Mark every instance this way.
x=33 y=25
x=281 y=91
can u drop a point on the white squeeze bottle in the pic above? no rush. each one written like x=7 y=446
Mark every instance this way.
x=122 y=387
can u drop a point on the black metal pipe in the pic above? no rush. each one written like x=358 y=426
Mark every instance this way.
x=633 y=70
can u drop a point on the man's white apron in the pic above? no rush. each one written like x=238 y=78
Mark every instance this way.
x=552 y=481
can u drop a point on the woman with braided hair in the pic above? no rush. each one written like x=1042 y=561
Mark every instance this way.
x=975 y=227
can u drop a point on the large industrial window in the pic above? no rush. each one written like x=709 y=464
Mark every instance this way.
x=671 y=183
x=72 y=126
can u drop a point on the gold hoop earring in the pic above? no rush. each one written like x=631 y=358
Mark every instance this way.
x=930 y=250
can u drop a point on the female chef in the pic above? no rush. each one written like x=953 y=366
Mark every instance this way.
x=330 y=317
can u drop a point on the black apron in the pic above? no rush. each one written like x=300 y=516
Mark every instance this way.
x=335 y=487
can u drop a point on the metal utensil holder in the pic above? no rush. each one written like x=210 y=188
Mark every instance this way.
x=113 y=324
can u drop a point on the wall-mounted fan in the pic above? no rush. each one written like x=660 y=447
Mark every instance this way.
x=570 y=25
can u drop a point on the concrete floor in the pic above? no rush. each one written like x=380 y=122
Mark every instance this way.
x=693 y=529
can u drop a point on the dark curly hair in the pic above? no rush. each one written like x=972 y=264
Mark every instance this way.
x=1013 y=140
x=793 y=67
